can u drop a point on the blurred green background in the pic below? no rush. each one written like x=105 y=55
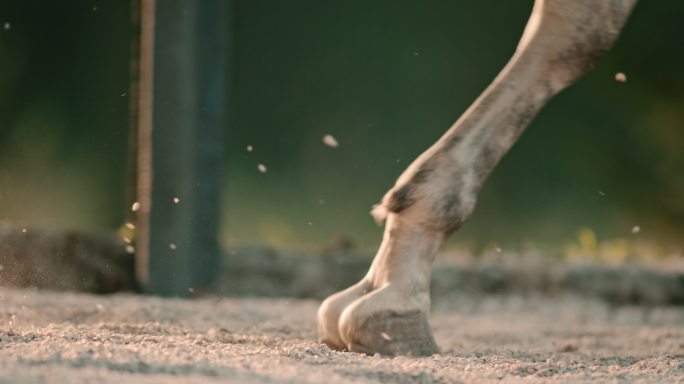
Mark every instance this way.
x=384 y=77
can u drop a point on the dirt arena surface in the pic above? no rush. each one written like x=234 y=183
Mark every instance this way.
x=48 y=337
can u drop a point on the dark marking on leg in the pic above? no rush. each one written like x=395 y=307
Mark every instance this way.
x=422 y=175
x=448 y=205
x=583 y=55
x=400 y=199
x=452 y=226
x=486 y=161
x=451 y=143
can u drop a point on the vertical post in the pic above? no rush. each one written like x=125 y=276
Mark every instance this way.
x=211 y=76
x=182 y=87
x=133 y=110
x=144 y=139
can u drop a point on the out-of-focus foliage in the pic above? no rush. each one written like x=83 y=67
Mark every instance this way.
x=385 y=78
x=63 y=119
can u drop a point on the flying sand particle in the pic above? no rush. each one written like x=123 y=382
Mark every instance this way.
x=636 y=229
x=172 y=246
x=621 y=77
x=261 y=168
x=250 y=148
x=130 y=249
x=7 y=26
x=385 y=336
x=601 y=193
x=135 y=207
x=176 y=200
x=330 y=141
x=23 y=230
x=130 y=225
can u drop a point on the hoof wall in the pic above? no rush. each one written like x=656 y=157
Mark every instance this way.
x=394 y=333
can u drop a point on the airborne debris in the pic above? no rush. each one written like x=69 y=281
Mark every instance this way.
x=330 y=141
x=621 y=77
x=126 y=240
x=176 y=200
x=250 y=148
x=172 y=246
x=23 y=230
x=601 y=193
x=191 y=289
x=130 y=249
x=262 y=168
x=385 y=336
x=135 y=207
x=636 y=229
x=7 y=26
x=130 y=225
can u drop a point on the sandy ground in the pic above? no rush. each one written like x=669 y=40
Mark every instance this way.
x=78 y=338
